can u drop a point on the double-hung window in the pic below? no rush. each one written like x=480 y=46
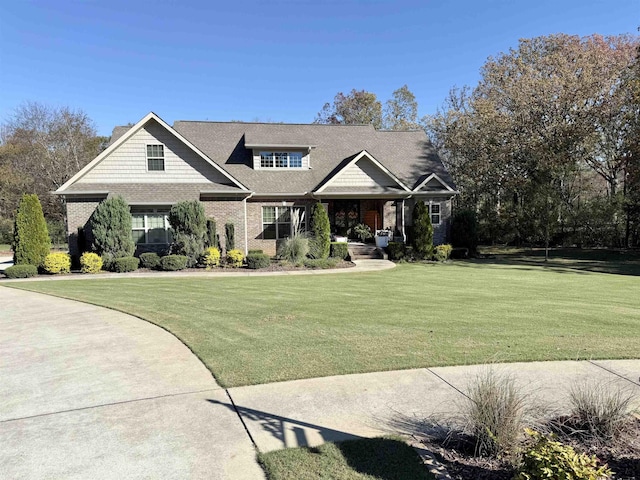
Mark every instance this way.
x=280 y=160
x=434 y=210
x=280 y=222
x=152 y=227
x=155 y=158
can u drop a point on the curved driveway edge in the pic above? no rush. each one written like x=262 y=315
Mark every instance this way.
x=88 y=392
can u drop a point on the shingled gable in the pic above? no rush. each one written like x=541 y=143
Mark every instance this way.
x=129 y=133
x=433 y=183
x=367 y=174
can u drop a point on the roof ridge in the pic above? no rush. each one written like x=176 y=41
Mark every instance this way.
x=276 y=123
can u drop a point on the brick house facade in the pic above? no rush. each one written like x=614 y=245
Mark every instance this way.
x=257 y=176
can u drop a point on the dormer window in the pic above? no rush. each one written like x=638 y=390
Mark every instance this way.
x=280 y=160
x=155 y=158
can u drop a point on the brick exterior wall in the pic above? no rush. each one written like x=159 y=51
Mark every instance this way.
x=78 y=213
x=227 y=211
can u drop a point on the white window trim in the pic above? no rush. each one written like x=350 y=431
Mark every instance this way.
x=291 y=208
x=431 y=214
x=146 y=228
x=147 y=158
x=274 y=167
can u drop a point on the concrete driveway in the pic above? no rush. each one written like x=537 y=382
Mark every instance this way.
x=86 y=392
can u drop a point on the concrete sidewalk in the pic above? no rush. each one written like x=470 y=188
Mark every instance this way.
x=87 y=392
x=310 y=412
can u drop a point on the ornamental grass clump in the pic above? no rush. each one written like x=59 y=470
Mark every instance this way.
x=90 y=263
x=57 y=262
x=493 y=415
x=294 y=249
x=599 y=411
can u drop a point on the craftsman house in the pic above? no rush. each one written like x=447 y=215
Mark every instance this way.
x=257 y=175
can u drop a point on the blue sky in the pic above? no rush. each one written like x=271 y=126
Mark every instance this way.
x=266 y=60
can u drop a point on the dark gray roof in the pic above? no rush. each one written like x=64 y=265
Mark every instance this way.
x=150 y=193
x=408 y=155
x=117 y=133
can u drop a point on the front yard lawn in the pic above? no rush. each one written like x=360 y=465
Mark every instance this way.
x=251 y=330
x=366 y=459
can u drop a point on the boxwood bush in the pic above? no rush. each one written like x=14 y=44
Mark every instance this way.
x=57 y=262
x=125 y=264
x=339 y=250
x=21 y=271
x=150 y=260
x=90 y=263
x=171 y=263
x=396 y=250
x=258 y=260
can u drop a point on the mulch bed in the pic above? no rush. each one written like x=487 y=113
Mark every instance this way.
x=622 y=456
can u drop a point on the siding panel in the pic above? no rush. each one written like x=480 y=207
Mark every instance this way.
x=363 y=173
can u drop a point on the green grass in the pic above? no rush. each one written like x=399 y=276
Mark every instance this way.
x=251 y=330
x=5 y=247
x=366 y=459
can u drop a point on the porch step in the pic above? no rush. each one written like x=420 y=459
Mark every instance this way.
x=358 y=252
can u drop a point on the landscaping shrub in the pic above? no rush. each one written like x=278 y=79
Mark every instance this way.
x=125 y=264
x=6 y=230
x=294 y=249
x=111 y=228
x=212 y=240
x=339 y=250
x=464 y=230
x=320 y=263
x=57 y=262
x=235 y=258
x=189 y=226
x=396 y=250
x=31 y=242
x=21 y=271
x=211 y=258
x=57 y=231
x=599 y=411
x=493 y=413
x=150 y=260
x=422 y=239
x=230 y=236
x=257 y=250
x=320 y=232
x=546 y=459
x=443 y=252
x=90 y=263
x=258 y=260
x=362 y=231
x=171 y=263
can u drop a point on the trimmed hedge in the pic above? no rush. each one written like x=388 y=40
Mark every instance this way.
x=396 y=250
x=90 y=263
x=171 y=263
x=258 y=260
x=321 y=263
x=339 y=250
x=21 y=271
x=57 y=262
x=125 y=264
x=235 y=258
x=150 y=260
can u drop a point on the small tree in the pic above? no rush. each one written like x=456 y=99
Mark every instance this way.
x=320 y=241
x=111 y=228
x=189 y=230
x=212 y=236
x=230 y=236
x=31 y=242
x=422 y=231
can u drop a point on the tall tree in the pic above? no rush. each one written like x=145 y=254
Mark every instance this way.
x=401 y=111
x=355 y=108
x=45 y=146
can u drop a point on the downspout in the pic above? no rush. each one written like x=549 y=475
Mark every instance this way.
x=404 y=236
x=246 y=233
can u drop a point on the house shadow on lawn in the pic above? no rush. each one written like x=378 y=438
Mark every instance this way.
x=301 y=433
x=566 y=260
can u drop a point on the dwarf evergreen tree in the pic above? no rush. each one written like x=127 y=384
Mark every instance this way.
x=189 y=225
x=320 y=241
x=422 y=231
x=31 y=242
x=111 y=229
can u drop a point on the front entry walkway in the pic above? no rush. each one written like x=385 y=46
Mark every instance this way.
x=88 y=392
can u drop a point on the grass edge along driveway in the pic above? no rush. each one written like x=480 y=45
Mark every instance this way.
x=253 y=330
